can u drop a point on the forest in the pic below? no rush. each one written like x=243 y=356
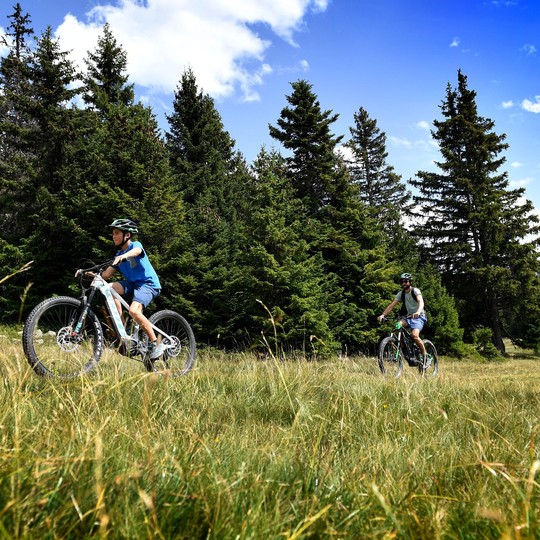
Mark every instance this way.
x=302 y=248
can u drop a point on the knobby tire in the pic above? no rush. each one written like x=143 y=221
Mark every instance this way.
x=433 y=367
x=390 y=357
x=179 y=358
x=49 y=344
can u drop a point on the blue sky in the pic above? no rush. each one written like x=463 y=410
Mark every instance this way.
x=392 y=57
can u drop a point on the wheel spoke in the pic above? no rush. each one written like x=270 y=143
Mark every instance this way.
x=51 y=345
x=179 y=344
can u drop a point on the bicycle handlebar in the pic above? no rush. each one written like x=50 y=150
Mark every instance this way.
x=398 y=317
x=95 y=269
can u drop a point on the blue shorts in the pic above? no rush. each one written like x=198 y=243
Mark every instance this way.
x=143 y=294
x=417 y=324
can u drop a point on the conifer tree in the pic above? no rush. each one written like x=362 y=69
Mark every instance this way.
x=476 y=229
x=379 y=186
x=47 y=111
x=284 y=275
x=123 y=168
x=304 y=129
x=17 y=158
x=345 y=235
x=212 y=179
x=16 y=154
x=106 y=78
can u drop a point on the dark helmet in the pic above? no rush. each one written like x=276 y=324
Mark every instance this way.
x=125 y=225
x=406 y=276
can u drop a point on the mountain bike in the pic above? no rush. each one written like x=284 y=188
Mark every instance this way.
x=400 y=345
x=64 y=337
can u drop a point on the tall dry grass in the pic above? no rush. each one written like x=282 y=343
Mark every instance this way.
x=250 y=448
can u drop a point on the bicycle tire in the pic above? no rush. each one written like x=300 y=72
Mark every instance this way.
x=433 y=367
x=48 y=343
x=390 y=357
x=178 y=359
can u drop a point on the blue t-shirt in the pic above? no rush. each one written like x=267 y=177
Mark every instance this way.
x=138 y=270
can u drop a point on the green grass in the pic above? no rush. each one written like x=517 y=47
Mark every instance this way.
x=245 y=448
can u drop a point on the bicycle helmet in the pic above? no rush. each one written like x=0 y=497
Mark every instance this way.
x=406 y=276
x=125 y=225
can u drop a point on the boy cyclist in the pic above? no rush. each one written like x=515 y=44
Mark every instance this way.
x=140 y=282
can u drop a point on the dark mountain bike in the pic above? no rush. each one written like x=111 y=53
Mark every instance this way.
x=399 y=346
x=64 y=337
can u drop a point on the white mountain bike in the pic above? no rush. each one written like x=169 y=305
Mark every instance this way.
x=63 y=337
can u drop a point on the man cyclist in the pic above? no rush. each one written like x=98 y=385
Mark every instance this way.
x=140 y=284
x=414 y=305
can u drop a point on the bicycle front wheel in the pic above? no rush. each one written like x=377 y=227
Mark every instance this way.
x=178 y=348
x=432 y=367
x=50 y=344
x=390 y=357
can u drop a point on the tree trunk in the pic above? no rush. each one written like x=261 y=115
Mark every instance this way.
x=495 y=323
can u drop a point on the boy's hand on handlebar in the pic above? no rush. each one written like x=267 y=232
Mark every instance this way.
x=82 y=271
x=119 y=259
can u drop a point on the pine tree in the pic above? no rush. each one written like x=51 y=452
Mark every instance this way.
x=476 y=228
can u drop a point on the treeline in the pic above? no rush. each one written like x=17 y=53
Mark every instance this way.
x=298 y=251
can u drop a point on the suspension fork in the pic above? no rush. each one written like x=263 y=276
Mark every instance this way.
x=82 y=317
x=399 y=344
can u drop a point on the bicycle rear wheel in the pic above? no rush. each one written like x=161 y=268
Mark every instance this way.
x=432 y=367
x=179 y=354
x=390 y=357
x=50 y=345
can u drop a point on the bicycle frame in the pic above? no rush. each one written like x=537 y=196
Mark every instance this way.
x=402 y=333
x=109 y=294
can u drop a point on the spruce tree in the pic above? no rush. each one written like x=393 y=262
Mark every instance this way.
x=378 y=185
x=303 y=128
x=17 y=160
x=285 y=276
x=345 y=235
x=106 y=78
x=212 y=179
x=16 y=123
x=475 y=227
x=123 y=169
x=51 y=127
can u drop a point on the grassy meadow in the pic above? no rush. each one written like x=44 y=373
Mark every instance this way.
x=249 y=448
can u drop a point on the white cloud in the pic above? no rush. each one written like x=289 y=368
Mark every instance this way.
x=345 y=152
x=214 y=38
x=530 y=106
x=529 y=49
x=423 y=125
x=516 y=164
x=401 y=141
x=507 y=104
x=455 y=42
x=304 y=65
x=522 y=182
x=420 y=144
